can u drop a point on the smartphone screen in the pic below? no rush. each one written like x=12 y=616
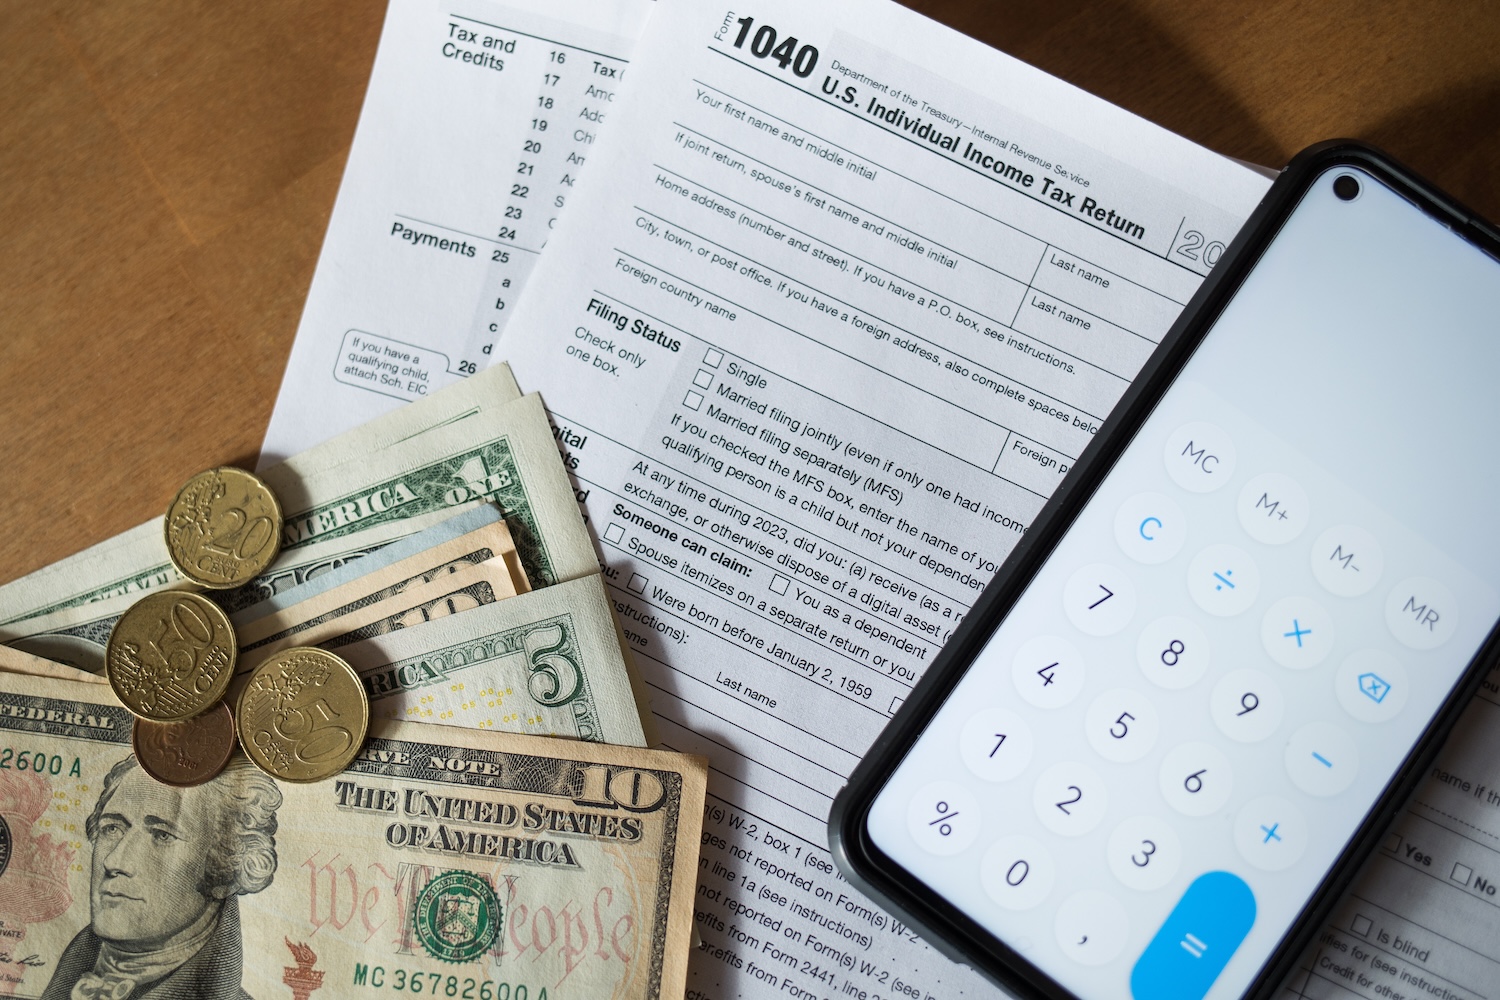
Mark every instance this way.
x=1149 y=768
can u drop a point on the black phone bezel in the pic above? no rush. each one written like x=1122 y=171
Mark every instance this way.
x=940 y=923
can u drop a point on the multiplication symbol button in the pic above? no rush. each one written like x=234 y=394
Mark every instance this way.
x=1199 y=457
x=1297 y=633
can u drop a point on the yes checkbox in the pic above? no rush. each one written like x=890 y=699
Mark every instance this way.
x=713 y=357
x=614 y=533
x=703 y=379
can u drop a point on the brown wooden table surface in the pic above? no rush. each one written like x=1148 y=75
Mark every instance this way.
x=167 y=171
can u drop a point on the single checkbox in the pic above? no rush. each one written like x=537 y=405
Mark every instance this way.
x=692 y=400
x=713 y=357
x=614 y=533
x=1361 y=925
x=896 y=703
x=637 y=584
x=1462 y=874
x=1393 y=842
x=703 y=379
x=779 y=584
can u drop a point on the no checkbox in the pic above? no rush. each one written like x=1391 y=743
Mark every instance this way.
x=1462 y=874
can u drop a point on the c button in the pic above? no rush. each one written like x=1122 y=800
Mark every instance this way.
x=1150 y=528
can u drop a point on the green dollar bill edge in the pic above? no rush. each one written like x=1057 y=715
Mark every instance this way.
x=440 y=666
x=437 y=486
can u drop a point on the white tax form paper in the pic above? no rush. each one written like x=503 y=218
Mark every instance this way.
x=478 y=119
x=843 y=296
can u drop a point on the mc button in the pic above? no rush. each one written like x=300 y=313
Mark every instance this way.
x=1199 y=457
x=1197 y=940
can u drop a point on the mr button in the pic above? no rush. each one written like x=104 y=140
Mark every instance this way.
x=1421 y=613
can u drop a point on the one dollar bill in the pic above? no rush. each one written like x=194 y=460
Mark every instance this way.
x=136 y=561
x=442 y=861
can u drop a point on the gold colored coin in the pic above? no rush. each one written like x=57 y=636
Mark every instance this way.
x=170 y=656
x=303 y=715
x=223 y=528
x=185 y=753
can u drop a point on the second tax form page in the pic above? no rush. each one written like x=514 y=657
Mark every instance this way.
x=842 y=297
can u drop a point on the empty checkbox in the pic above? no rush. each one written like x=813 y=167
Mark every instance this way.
x=703 y=379
x=1462 y=874
x=1361 y=925
x=896 y=703
x=614 y=533
x=713 y=357
x=637 y=584
x=1393 y=842
x=692 y=400
x=779 y=584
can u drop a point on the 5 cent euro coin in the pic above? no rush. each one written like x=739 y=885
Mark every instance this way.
x=185 y=753
x=170 y=656
x=223 y=528
x=303 y=715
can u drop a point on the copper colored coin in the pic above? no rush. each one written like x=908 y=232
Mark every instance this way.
x=223 y=528
x=185 y=753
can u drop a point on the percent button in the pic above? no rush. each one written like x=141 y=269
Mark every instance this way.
x=943 y=818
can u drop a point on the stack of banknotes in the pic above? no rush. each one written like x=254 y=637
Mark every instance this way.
x=502 y=835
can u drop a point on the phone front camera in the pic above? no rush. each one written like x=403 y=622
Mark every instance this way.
x=1345 y=187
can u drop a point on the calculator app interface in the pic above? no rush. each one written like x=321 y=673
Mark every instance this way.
x=1167 y=742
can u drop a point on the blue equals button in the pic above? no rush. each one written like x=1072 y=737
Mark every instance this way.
x=1197 y=940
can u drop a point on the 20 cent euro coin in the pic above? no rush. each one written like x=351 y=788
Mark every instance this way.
x=303 y=715
x=185 y=753
x=223 y=528
x=170 y=656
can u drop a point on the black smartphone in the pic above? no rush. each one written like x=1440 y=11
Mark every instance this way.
x=1194 y=696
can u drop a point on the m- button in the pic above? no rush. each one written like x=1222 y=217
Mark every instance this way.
x=1347 y=561
x=1199 y=457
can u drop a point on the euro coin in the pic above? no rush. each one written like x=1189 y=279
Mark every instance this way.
x=185 y=753
x=223 y=528
x=303 y=715
x=170 y=656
